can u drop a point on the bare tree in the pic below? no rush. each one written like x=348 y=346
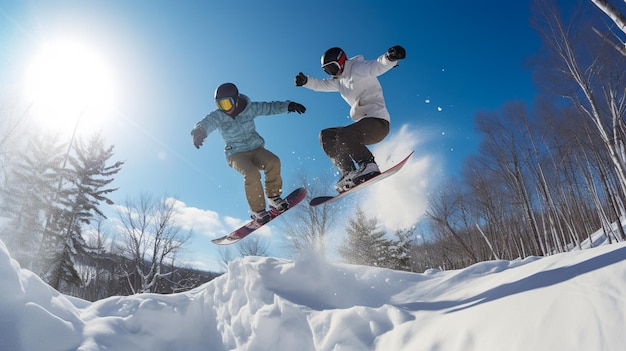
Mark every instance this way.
x=307 y=227
x=543 y=179
x=613 y=13
x=97 y=276
x=506 y=146
x=597 y=79
x=150 y=240
x=227 y=255
x=447 y=212
x=618 y=18
x=253 y=245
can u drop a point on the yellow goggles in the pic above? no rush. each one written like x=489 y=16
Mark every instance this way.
x=225 y=104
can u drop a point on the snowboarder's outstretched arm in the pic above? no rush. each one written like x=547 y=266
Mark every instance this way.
x=382 y=64
x=360 y=67
x=198 y=134
x=275 y=107
x=203 y=128
x=327 y=85
x=212 y=121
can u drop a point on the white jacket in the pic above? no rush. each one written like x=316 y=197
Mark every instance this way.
x=359 y=86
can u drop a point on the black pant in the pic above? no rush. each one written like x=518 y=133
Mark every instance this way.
x=347 y=145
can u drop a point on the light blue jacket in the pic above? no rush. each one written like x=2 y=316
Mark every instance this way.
x=240 y=133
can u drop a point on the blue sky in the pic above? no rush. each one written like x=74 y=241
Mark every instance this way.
x=164 y=59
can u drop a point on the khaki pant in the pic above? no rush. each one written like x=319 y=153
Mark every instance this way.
x=249 y=164
x=347 y=145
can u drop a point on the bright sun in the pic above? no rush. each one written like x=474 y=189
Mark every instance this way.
x=68 y=80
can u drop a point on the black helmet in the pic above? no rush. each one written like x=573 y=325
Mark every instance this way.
x=226 y=96
x=333 y=61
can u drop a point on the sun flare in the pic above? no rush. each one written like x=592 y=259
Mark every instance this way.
x=69 y=80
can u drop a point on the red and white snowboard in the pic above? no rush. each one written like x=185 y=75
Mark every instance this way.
x=292 y=199
x=320 y=200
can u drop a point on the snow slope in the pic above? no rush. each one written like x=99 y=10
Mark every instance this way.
x=572 y=301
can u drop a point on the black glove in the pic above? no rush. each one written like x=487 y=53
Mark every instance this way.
x=198 y=134
x=396 y=53
x=301 y=79
x=296 y=107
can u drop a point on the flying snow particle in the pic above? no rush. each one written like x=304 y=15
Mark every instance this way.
x=439 y=109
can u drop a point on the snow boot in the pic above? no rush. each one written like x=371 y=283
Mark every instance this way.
x=261 y=217
x=277 y=203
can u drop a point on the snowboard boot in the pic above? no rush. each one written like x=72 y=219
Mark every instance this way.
x=345 y=182
x=277 y=203
x=261 y=217
x=366 y=172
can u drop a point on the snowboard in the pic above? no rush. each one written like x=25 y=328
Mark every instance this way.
x=320 y=200
x=292 y=199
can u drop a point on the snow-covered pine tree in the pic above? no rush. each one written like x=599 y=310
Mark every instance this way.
x=366 y=243
x=400 y=250
x=28 y=196
x=87 y=181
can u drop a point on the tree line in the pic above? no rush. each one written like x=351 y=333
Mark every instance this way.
x=53 y=194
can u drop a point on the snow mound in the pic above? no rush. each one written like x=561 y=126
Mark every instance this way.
x=570 y=301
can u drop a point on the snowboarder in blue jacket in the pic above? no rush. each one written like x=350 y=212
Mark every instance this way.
x=245 y=151
x=356 y=79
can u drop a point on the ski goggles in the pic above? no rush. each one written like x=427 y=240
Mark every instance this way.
x=225 y=104
x=332 y=68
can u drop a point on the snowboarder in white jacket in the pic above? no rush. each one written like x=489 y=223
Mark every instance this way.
x=356 y=79
x=244 y=149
